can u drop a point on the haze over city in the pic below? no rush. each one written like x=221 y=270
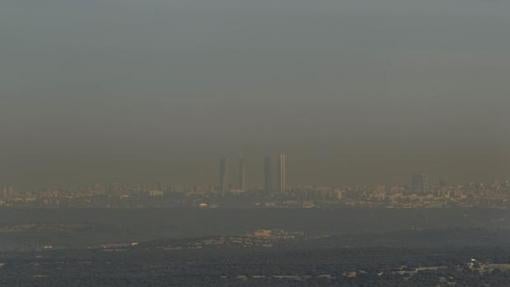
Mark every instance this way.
x=256 y=143
x=354 y=91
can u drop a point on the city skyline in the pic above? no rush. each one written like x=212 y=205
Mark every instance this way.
x=236 y=169
x=419 y=192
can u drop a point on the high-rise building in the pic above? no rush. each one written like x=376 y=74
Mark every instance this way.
x=268 y=175
x=242 y=174
x=282 y=166
x=419 y=183
x=223 y=175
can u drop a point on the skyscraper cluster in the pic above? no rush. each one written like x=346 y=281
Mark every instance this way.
x=241 y=184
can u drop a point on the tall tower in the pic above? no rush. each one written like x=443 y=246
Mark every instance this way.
x=419 y=183
x=223 y=173
x=268 y=175
x=283 y=172
x=242 y=174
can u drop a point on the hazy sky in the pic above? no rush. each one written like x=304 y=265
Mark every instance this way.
x=354 y=90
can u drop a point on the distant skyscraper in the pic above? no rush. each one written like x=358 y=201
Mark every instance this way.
x=283 y=172
x=223 y=175
x=242 y=174
x=268 y=175
x=419 y=183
